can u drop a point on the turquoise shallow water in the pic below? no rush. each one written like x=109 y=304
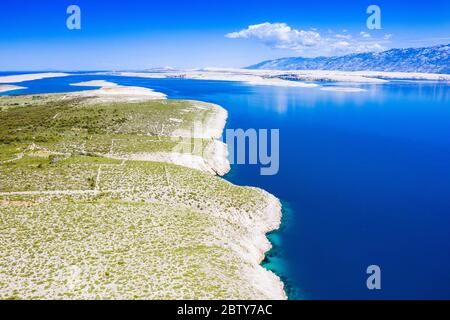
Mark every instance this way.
x=364 y=179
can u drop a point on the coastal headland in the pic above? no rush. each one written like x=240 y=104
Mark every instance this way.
x=96 y=204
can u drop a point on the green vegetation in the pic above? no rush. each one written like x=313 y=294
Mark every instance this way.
x=76 y=222
x=73 y=124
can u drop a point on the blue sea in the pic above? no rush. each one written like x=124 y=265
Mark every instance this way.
x=364 y=180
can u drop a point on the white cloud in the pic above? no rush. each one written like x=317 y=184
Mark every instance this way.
x=278 y=35
x=307 y=43
x=387 y=36
x=343 y=36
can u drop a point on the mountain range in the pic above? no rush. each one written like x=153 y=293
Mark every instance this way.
x=435 y=59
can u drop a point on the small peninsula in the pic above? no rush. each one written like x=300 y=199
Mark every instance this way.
x=96 y=204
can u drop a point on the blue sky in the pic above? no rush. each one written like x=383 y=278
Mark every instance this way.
x=138 y=34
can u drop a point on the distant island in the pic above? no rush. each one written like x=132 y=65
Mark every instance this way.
x=435 y=59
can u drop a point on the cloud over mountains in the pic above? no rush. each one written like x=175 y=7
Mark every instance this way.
x=308 y=42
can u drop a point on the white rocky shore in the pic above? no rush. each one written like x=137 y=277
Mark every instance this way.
x=268 y=221
x=214 y=159
x=6 y=88
x=287 y=78
x=284 y=78
x=31 y=76
x=238 y=75
x=112 y=92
